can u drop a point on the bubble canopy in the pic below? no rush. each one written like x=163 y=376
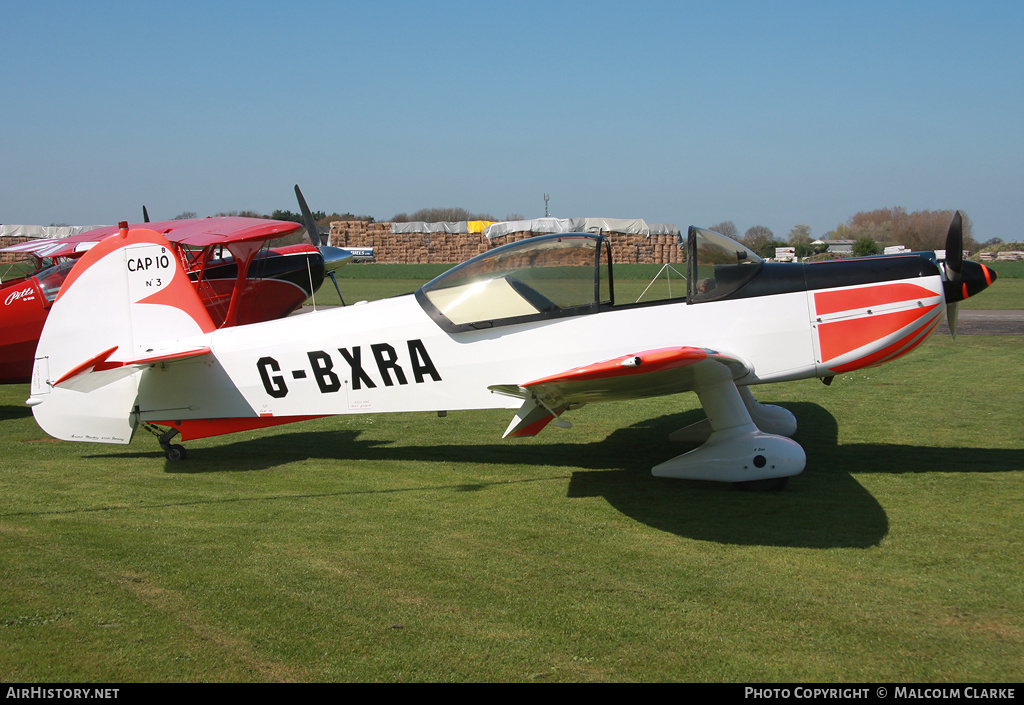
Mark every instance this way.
x=541 y=277
x=570 y=274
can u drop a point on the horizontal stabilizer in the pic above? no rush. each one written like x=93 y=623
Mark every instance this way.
x=102 y=363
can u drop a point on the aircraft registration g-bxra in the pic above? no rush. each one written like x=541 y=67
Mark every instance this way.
x=533 y=326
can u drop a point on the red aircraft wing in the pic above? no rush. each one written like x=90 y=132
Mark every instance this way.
x=195 y=232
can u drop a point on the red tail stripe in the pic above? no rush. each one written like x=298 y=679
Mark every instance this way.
x=192 y=429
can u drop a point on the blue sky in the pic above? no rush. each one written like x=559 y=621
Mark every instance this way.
x=763 y=113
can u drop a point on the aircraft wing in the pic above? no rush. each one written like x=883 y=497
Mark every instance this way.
x=632 y=376
x=194 y=232
x=203 y=232
x=71 y=246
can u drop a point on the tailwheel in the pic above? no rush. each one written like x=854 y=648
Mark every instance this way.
x=173 y=451
x=176 y=452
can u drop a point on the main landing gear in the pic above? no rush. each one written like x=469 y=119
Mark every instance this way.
x=742 y=441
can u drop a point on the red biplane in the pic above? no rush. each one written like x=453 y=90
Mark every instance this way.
x=238 y=278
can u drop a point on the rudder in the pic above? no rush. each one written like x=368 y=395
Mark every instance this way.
x=123 y=297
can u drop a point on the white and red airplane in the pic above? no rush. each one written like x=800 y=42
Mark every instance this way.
x=533 y=325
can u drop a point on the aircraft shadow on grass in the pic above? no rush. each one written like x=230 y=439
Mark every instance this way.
x=824 y=507
x=11 y=411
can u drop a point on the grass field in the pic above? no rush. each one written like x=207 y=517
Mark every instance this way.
x=411 y=547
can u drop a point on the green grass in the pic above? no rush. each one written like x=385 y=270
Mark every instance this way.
x=1008 y=270
x=415 y=548
x=1005 y=294
x=410 y=547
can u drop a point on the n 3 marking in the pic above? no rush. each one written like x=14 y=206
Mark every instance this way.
x=150 y=268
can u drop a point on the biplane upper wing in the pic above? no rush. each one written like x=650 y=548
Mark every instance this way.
x=70 y=246
x=632 y=376
x=196 y=232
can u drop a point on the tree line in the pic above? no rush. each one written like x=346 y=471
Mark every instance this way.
x=322 y=218
x=870 y=232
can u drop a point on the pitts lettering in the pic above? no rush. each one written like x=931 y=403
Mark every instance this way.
x=321 y=364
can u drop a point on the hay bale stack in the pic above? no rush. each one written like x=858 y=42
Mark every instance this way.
x=415 y=248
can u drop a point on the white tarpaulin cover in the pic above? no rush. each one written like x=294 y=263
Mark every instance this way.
x=580 y=225
x=421 y=227
x=45 y=230
x=543 y=225
x=611 y=225
x=537 y=225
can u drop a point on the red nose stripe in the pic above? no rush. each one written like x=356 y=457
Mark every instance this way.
x=840 y=337
x=888 y=353
x=826 y=302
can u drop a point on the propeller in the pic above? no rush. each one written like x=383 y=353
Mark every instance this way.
x=332 y=258
x=145 y=215
x=963 y=278
x=954 y=264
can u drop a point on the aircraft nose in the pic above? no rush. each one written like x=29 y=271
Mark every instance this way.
x=974 y=278
x=334 y=257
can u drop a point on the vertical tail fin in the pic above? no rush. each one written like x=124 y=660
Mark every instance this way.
x=123 y=297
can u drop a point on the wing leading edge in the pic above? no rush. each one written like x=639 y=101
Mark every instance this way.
x=635 y=375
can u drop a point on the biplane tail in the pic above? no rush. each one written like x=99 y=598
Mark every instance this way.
x=126 y=305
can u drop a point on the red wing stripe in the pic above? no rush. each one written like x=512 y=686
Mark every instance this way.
x=650 y=361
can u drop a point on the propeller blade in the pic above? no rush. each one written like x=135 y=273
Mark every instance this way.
x=954 y=264
x=307 y=219
x=145 y=215
x=331 y=259
x=955 y=248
